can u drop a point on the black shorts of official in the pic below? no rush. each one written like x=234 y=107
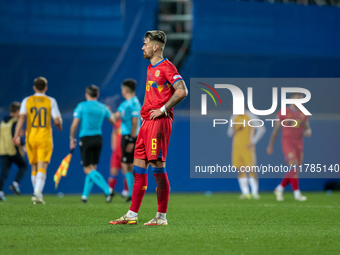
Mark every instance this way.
x=127 y=157
x=90 y=148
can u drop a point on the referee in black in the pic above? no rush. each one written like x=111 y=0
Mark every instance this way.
x=90 y=115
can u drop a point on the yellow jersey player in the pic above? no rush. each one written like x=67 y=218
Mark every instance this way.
x=243 y=152
x=39 y=110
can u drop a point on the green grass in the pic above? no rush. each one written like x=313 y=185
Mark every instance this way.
x=219 y=224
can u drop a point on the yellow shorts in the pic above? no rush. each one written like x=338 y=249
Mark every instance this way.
x=243 y=157
x=39 y=151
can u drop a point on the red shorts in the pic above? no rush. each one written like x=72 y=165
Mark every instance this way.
x=292 y=150
x=116 y=155
x=153 y=139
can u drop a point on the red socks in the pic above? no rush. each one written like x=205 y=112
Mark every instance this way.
x=140 y=186
x=295 y=183
x=138 y=192
x=292 y=178
x=112 y=182
x=285 y=182
x=163 y=191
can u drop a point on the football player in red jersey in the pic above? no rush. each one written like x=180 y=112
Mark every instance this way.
x=292 y=146
x=165 y=88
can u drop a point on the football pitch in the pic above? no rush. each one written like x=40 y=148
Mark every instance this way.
x=198 y=224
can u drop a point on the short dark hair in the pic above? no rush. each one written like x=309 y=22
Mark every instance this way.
x=40 y=83
x=130 y=83
x=92 y=90
x=15 y=106
x=156 y=35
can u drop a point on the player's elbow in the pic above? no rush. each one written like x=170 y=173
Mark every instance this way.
x=182 y=93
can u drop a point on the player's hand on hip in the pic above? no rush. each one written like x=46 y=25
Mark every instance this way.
x=270 y=150
x=155 y=114
x=129 y=147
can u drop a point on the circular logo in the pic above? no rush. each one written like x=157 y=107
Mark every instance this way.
x=157 y=73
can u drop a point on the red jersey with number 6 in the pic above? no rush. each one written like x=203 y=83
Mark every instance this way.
x=159 y=87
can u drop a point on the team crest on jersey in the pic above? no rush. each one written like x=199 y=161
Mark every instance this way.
x=157 y=73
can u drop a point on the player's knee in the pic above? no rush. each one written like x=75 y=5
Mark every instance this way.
x=293 y=162
x=87 y=169
x=157 y=163
x=141 y=163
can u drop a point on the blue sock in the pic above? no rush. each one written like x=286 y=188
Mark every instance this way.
x=130 y=181
x=99 y=180
x=87 y=186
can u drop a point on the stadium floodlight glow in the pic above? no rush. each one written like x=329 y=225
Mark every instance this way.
x=238 y=99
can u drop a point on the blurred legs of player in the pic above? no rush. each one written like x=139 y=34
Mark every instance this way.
x=125 y=191
x=90 y=149
x=127 y=169
x=115 y=165
x=38 y=178
x=112 y=181
x=94 y=177
x=292 y=178
x=254 y=185
x=6 y=162
x=39 y=155
x=127 y=163
x=244 y=183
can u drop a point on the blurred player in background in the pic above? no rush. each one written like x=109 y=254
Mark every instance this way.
x=90 y=114
x=244 y=152
x=292 y=146
x=129 y=113
x=39 y=109
x=116 y=157
x=165 y=88
x=10 y=153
